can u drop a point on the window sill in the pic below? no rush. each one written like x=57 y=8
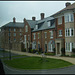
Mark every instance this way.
x=60 y=35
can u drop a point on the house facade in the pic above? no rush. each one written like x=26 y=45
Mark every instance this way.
x=56 y=31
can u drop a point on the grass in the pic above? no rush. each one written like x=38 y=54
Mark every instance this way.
x=35 y=63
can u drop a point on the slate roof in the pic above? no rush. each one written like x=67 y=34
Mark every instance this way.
x=31 y=23
x=70 y=7
x=11 y=24
x=42 y=24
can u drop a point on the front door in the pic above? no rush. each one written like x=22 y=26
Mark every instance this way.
x=58 y=48
x=45 y=48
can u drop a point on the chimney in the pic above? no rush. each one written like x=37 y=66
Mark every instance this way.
x=14 y=20
x=42 y=16
x=67 y=4
x=33 y=18
x=24 y=20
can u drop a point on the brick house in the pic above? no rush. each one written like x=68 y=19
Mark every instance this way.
x=43 y=35
x=65 y=25
x=56 y=31
x=12 y=35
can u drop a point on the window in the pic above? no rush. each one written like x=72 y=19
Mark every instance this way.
x=14 y=29
x=59 y=20
x=9 y=34
x=34 y=36
x=69 y=32
x=20 y=34
x=9 y=29
x=69 y=17
x=51 y=34
x=38 y=35
x=26 y=28
x=72 y=31
x=36 y=26
x=60 y=32
x=45 y=34
x=14 y=39
x=14 y=34
x=20 y=30
x=49 y=23
x=66 y=18
x=67 y=46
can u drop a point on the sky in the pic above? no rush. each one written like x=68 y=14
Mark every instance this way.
x=28 y=9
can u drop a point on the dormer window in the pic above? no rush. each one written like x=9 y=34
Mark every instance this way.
x=49 y=23
x=36 y=26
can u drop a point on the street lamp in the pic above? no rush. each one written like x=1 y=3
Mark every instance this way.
x=9 y=46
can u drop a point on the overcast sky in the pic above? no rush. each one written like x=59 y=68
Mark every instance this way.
x=28 y=9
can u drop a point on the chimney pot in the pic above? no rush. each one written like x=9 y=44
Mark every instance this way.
x=33 y=18
x=42 y=16
x=14 y=20
x=67 y=4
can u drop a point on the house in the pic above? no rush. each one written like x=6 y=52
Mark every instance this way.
x=43 y=35
x=56 y=31
x=12 y=35
x=65 y=29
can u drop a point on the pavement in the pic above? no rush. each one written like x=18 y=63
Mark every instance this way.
x=69 y=59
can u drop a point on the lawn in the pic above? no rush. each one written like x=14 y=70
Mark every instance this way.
x=37 y=63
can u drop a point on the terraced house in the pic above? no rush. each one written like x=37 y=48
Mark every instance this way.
x=56 y=31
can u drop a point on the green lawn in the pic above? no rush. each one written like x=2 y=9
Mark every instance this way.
x=37 y=63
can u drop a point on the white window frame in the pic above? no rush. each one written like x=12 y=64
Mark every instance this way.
x=59 y=20
x=14 y=34
x=34 y=35
x=69 y=17
x=60 y=33
x=36 y=26
x=49 y=23
x=20 y=30
x=14 y=29
x=51 y=34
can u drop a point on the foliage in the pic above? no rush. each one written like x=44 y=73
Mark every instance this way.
x=73 y=55
x=54 y=51
x=24 y=50
x=49 y=54
x=35 y=63
x=73 y=50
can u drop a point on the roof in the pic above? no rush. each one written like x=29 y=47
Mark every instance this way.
x=11 y=24
x=42 y=24
x=31 y=23
x=70 y=7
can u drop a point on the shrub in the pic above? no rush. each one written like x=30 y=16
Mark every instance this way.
x=24 y=50
x=73 y=55
x=54 y=51
x=40 y=50
x=73 y=50
x=30 y=50
x=49 y=54
x=35 y=50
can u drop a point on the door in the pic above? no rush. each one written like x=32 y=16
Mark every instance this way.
x=58 y=48
x=45 y=48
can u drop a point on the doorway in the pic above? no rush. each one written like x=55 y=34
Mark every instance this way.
x=45 y=48
x=58 y=48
